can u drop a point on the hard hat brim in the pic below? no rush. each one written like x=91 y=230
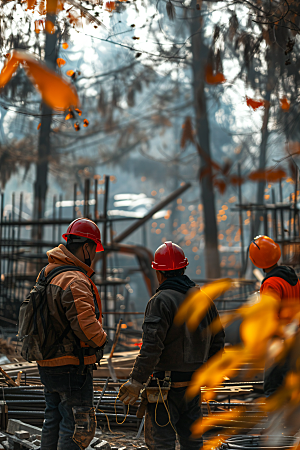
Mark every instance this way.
x=157 y=266
x=99 y=247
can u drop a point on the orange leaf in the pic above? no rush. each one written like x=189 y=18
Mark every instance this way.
x=267 y=175
x=76 y=126
x=285 y=104
x=60 y=62
x=86 y=123
x=56 y=92
x=65 y=45
x=110 y=6
x=49 y=27
x=221 y=185
x=210 y=78
x=39 y=126
x=8 y=70
x=254 y=104
x=236 y=180
x=79 y=111
x=70 y=73
x=187 y=133
x=69 y=116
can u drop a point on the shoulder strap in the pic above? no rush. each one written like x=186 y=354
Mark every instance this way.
x=49 y=278
x=57 y=271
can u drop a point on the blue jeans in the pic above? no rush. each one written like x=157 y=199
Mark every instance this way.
x=66 y=387
x=183 y=414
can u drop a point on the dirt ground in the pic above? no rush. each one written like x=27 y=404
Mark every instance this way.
x=126 y=439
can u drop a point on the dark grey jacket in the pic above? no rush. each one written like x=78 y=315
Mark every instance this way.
x=168 y=347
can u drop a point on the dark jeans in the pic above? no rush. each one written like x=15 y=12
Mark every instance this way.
x=183 y=414
x=275 y=377
x=65 y=387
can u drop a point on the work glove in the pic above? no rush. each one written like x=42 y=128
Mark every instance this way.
x=130 y=391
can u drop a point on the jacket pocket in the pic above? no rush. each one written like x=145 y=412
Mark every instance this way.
x=150 y=326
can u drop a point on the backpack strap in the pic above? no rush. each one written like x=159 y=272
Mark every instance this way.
x=47 y=280
x=59 y=270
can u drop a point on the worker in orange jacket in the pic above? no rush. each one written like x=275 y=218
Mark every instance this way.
x=75 y=308
x=282 y=283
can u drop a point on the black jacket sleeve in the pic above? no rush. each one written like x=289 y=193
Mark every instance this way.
x=158 y=318
x=218 y=340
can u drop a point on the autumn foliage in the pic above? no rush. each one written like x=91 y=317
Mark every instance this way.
x=211 y=78
x=254 y=104
x=263 y=325
x=56 y=92
x=221 y=173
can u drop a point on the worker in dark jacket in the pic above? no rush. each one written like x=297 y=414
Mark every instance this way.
x=168 y=348
x=280 y=282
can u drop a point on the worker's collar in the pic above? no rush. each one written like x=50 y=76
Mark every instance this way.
x=182 y=284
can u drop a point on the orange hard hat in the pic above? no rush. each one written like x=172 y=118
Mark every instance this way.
x=169 y=256
x=264 y=252
x=85 y=228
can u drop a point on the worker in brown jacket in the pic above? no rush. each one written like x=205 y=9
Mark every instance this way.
x=75 y=309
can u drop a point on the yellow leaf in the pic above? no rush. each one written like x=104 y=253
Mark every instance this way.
x=218 y=366
x=64 y=45
x=224 y=321
x=8 y=70
x=198 y=301
x=213 y=443
x=256 y=330
x=260 y=323
x=206 y=423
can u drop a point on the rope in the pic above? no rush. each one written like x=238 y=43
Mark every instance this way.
x=120 y=423
x=167 y=409
x=108 y=424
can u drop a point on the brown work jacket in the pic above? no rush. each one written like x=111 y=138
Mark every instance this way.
x=73 y=298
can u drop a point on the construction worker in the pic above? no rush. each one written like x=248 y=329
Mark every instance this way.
x=75 y=308
x=282 y=283
x=171 y=353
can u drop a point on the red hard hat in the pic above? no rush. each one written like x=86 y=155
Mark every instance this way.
x=85 y=228
x=264 y=252
x=169 y=256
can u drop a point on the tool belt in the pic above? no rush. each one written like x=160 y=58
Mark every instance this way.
x=158 y=393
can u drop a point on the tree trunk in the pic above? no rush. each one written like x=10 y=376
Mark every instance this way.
x=262 y=163
x=263 y=144
x=44 y=147
x=200 y=52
